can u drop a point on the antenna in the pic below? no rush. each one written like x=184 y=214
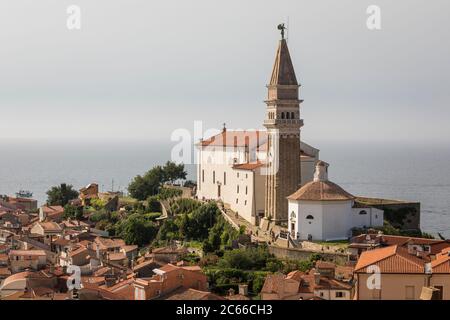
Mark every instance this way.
x=287 y=33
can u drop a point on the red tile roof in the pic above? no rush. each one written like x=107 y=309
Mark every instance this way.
x=392 y=259
x=228 y=138
x=442 y=262
x=248 y=166
x=27 y=253
x=191 y=294
x=321 y=191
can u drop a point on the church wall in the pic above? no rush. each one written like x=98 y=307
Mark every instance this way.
x=308 y=166
x=310 y=150
x=259 y=192
x=213 y=163
x=372 y=218
x=306 y=226
x=337 y=219
x=242 y=201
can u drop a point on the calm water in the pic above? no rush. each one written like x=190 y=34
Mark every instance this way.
x=409 y=173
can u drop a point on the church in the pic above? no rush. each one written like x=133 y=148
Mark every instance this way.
x=258 y=174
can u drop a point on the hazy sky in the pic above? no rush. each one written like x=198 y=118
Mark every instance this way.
x=140 y=69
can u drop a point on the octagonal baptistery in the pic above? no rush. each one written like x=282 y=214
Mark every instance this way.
x=323 y=211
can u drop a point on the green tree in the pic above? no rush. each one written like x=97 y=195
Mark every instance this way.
x=148 y=185
x=73 y=212
x=203 y=218
x=184 y=205
x=61 y=195
x=173 y=171
x=168 y=230
x=247 y=259
x=136 y=230
x=153 y=204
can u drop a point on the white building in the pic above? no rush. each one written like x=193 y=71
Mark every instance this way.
x=231 y=169
x=322 y=210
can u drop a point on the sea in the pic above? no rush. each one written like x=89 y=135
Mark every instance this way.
x=395 y=171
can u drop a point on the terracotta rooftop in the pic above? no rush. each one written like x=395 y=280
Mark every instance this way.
x=442 y=262
x=168 y=268
x=105 y=243
x=191 y=294
x=50 y=226
x=236 y=138
x=321 y=191
x=248 y=166
x=277 y=283
x=129 y=248
x=392 y=259
x=61 y=242
x=151 y=263
x=4 y=272
x=116 y=256
x=52 y=209
x=77 y=251
x=27 y=253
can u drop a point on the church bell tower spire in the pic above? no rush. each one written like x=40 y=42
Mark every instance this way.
x=283 y=125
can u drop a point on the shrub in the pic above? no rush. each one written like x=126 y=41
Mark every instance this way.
x=153 y=204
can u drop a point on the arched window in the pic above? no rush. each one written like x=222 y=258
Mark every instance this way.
x=293 y=215
x=292 y=115
x=309 y=217
x=363 y=212
x=287 y=115
x=282 y=115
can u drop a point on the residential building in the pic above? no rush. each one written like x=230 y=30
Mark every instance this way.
x=402 y=274
x=51 y=213
x=50 y=230
x=27 y=259
x=87 y=193
x=167 y=279
x=320 y=282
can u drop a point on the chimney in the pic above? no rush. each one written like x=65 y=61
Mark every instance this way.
x=317 y=278
x=110 y=280
x=243 y=289
x=321 y=173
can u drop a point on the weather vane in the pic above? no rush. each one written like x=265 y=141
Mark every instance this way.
x=282 y=28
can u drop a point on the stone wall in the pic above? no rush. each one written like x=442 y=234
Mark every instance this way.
x=301 y=254
x=402 y=215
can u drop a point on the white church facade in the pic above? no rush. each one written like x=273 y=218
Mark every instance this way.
x=272 y=176
x=231 y=169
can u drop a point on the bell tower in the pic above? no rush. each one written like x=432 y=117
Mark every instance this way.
x=283 y=123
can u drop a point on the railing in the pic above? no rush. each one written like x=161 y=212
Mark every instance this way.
x=284 y=121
